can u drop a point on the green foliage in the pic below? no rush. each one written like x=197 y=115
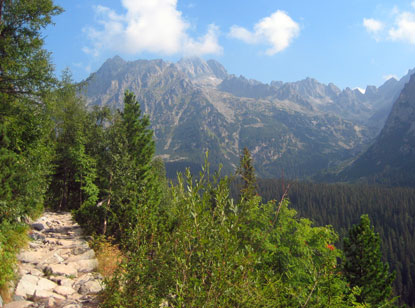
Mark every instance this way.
x=126 y=180
x=25 y=124
x=12 y=238
x=25 y=68
x=247 y=172
x=391 y=210
x=207 y=251
x=73 y=181
x=25 y=77
x=363 y=266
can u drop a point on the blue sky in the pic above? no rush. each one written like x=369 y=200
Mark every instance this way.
x=351 y=43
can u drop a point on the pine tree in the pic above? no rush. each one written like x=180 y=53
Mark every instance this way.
x=26 y=76
x=131 y=193
x=247 y=172
x=363 y=266
x=75 y=169
x=25 y=68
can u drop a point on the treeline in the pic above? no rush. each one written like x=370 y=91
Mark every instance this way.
x=392 y=211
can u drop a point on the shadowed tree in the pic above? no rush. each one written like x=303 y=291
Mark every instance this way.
x=363 y=266
x=247 y=173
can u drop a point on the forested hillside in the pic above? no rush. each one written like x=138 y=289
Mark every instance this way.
x=391 y=209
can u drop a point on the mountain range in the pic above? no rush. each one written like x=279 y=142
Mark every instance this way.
x=390 y=159
x=298 y=128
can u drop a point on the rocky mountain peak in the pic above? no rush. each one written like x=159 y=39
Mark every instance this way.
x=218 y=69
x=199 y=71
x=112 y=66
x=391 y=158
x=403 y=111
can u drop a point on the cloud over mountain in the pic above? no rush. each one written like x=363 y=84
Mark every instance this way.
x=277 y=30
x=148 y=26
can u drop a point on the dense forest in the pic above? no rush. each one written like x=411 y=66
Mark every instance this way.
x=340 y=205
x=188 y=244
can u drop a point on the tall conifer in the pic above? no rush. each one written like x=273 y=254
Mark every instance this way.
x=363 y=266
x=247 y=173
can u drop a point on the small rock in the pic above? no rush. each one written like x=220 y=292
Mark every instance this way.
x=37 y=226
x=55 y=258
x=45 y=284
x=18 y=298
x=36 y=236
x=79 y=250
x=91 y=286
x=49 y=240
x=36 y=272
x=62 y=290
x=34 y=244
x=66 y=282
x=58 y=257
x=85 y=266
x=31 y=256
x=45 y=294
x=62 y=269
x=73 y=306
x=51 y=302
x=27 y=286
x=19 y=304
x=89 y=254
x=66 y=243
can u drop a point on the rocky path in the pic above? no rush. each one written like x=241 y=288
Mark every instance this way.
x=58 y=269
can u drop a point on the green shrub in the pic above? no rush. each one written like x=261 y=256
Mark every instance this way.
x=12 y=238
x=208 y=251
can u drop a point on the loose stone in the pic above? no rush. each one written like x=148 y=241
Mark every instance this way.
x=57 y=269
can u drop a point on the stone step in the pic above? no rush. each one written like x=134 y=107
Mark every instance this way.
x=58 y=269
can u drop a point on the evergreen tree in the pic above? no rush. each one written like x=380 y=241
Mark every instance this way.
x=26 y=76
x=247 y=172
x=363 y=266
x=25 y=68
x=75 y=169
x=135 y=189
x=129 y=188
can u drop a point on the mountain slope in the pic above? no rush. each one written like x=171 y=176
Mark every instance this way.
x=391 y=158
x=195 y=106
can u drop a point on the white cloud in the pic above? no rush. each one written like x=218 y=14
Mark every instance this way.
x=153 y=26
x=387 y=77
x=372 y=25
x=277 y=30
x=404 y=29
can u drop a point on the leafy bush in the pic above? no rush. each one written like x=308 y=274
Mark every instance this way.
x=208 y=251
x=12 y=238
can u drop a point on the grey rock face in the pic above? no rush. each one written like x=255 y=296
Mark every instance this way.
x=391 y=158
x=195 y=105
